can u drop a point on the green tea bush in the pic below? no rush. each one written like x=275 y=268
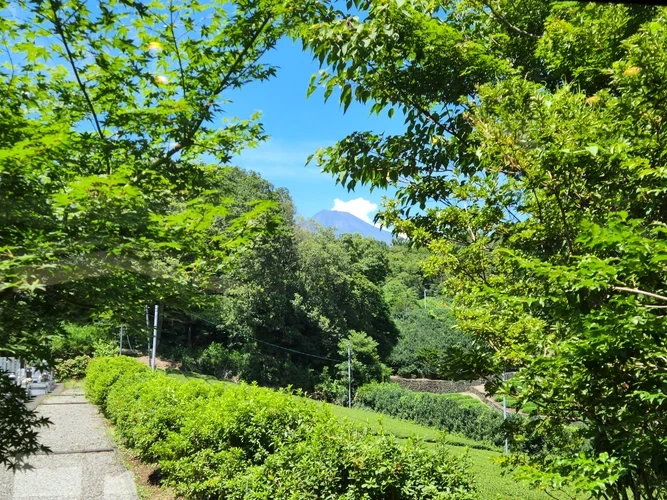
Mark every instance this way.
x=348 y=462
x=103 y=372
x=426 y=337
x=228 y=441
x=147 y=409
x=248 y=417
x=452 y=413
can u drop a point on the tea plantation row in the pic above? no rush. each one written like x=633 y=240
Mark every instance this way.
x=224 y=441
x=453 y=413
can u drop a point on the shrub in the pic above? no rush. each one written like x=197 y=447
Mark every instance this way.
x=331 y=390
x=246 y=363
x=81 y=340
x=215 y=360
x=248 y=417
x=18 y=425
x=103 y=348
x=227 y=441
x=147 y=408
x=74 y=368
x=452 y=413
x=103 y=372
x=350 y=463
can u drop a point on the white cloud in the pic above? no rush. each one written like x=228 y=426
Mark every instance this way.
x=360 y=208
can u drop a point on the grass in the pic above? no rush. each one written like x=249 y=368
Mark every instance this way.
x=73 y=383
x=185 y=376
x=401 y=428
x=491 y=483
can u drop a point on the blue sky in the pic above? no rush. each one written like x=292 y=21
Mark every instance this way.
x=297 y=126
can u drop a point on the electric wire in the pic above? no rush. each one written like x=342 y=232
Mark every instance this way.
x=252 y=339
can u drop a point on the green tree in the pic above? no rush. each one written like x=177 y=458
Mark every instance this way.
x=337 y=293
x=365 y=363
x=292 y=291
x=111 y=138
x=427 y=340
x=368 y=257
x=531 y=166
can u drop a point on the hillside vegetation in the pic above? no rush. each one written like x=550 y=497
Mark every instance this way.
x=526 y=178
x=214 y=440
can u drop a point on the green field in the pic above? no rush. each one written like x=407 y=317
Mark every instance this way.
x=491 y=482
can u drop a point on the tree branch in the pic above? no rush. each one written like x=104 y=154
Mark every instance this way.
x=405 y=99
x=566 y=226
x=61 y=33
x=178 y=52
x=503 y=20
x=637 y=291
x=429 y=116
x=188 y=139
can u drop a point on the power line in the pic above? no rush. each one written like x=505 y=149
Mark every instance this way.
x=267 y=343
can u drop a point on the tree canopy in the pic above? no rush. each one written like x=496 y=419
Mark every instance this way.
x=532 y=168
x=112 y=134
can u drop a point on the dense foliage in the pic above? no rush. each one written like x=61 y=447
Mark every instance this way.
x=427 y=340
x=70 y=368
x=309 y=290
x=532 y=167
x=454 y=413
x=223 y=440
x=288 y=303
x=365 y=363
x=112 y=144
x=73 y=347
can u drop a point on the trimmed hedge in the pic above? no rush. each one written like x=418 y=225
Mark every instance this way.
x=449 y=412
x=102 y=373
x=247 y=442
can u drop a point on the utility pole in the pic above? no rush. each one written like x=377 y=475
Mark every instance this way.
x=148 y=332
x=155 y=323
x=505 y=414
x=349 y=375
x=120 y=345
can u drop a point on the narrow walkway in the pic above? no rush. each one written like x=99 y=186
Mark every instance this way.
x=84 y=464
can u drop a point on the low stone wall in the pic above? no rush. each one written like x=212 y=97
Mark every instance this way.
x=436 y=386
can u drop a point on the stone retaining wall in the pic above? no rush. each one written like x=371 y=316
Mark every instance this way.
x=436 y=386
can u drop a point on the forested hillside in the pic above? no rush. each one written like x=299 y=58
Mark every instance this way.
x=279 y=308
x=285 y=304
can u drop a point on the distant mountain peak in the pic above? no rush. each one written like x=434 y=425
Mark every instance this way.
x=344 y=222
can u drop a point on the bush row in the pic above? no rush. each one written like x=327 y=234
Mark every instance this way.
x=449 y=412
x=246 y=442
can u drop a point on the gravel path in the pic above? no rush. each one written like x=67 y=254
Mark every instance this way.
x=84 y=464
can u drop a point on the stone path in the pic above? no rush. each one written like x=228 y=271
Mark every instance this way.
x=84 y=464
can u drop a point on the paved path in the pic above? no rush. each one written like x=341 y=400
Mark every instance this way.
x=84 y=464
